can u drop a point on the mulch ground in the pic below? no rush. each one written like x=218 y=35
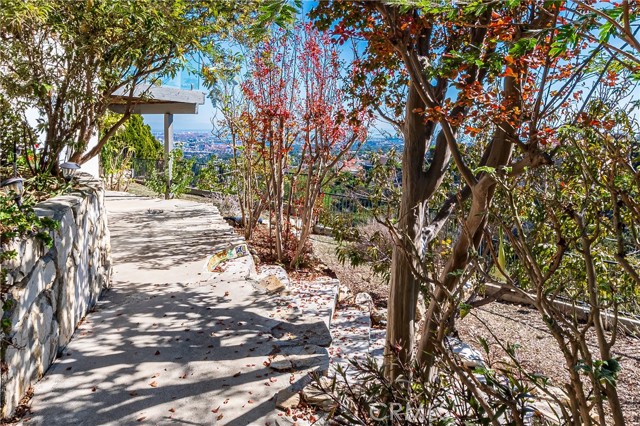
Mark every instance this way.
x=508 y=322
x=358 y=279
x=538 y=350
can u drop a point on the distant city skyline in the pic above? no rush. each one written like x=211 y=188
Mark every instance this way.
x=201 y=122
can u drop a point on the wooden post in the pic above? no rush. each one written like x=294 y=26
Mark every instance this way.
x=168 y=147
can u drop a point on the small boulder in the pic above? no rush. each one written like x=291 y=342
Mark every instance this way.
x=308 y=357
x=379 y=316
x=313 y=395
x=272 y=284
x=287 y=399
x=304 y=332
x=470 y=357
x=281 y=362
x=364 y=299
x=344 y=293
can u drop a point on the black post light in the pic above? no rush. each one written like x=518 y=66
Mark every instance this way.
x=14 y=184
x=69 y=170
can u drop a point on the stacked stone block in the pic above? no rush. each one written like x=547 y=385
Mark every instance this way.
x=48 y=290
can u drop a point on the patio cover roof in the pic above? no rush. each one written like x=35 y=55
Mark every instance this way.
x=149 y=99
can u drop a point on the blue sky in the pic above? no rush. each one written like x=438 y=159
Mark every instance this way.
x=202 y=121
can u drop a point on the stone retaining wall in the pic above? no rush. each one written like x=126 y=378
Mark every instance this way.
x=48 y=290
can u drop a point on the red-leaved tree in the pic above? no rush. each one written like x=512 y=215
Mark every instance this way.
x=303 y=125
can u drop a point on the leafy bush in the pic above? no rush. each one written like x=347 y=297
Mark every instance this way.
x=215 y=176
x=132 y=139
x=361 y=393
x=182 y=175
x=18 y=223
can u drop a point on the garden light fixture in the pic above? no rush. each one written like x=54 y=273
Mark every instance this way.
x=14 y=185
x=69 y=170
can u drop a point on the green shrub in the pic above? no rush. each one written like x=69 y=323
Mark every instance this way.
x=182 y=175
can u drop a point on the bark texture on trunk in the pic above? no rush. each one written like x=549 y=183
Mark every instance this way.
x=404 y=290
x=440 y=307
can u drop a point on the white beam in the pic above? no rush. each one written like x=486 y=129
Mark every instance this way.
x=161 y=94
x=168 y=147
x=157 y=108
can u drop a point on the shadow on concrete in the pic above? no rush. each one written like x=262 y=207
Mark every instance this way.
x=159 y=239
x=169 y=343
x=195 y=347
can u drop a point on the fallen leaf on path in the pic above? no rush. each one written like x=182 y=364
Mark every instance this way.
x=220 y=416
x=237 y=374
x=226 y=401
x=153 y=384
x=173 y=410
x=215 y=410
x=140 y=419
x=93 y=389
x=134 y=393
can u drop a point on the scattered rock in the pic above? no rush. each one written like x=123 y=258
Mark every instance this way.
x=313 y=395
x=235 y=221
x=364 y=300
x=555 y=391
x=322 y=230
x=549 y=411
x=287 y=399
x=344 y=293
x=272 y=284
x=274 y=270
x=470 y=357
x=281 y=362
x=308 y=356
x=379 y=316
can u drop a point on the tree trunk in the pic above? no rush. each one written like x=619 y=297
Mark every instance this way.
x=499 y=154
x=404 y=286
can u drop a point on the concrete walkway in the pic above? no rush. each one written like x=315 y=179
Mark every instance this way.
x=171 y=343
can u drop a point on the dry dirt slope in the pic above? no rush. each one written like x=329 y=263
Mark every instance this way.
x=510 y=323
